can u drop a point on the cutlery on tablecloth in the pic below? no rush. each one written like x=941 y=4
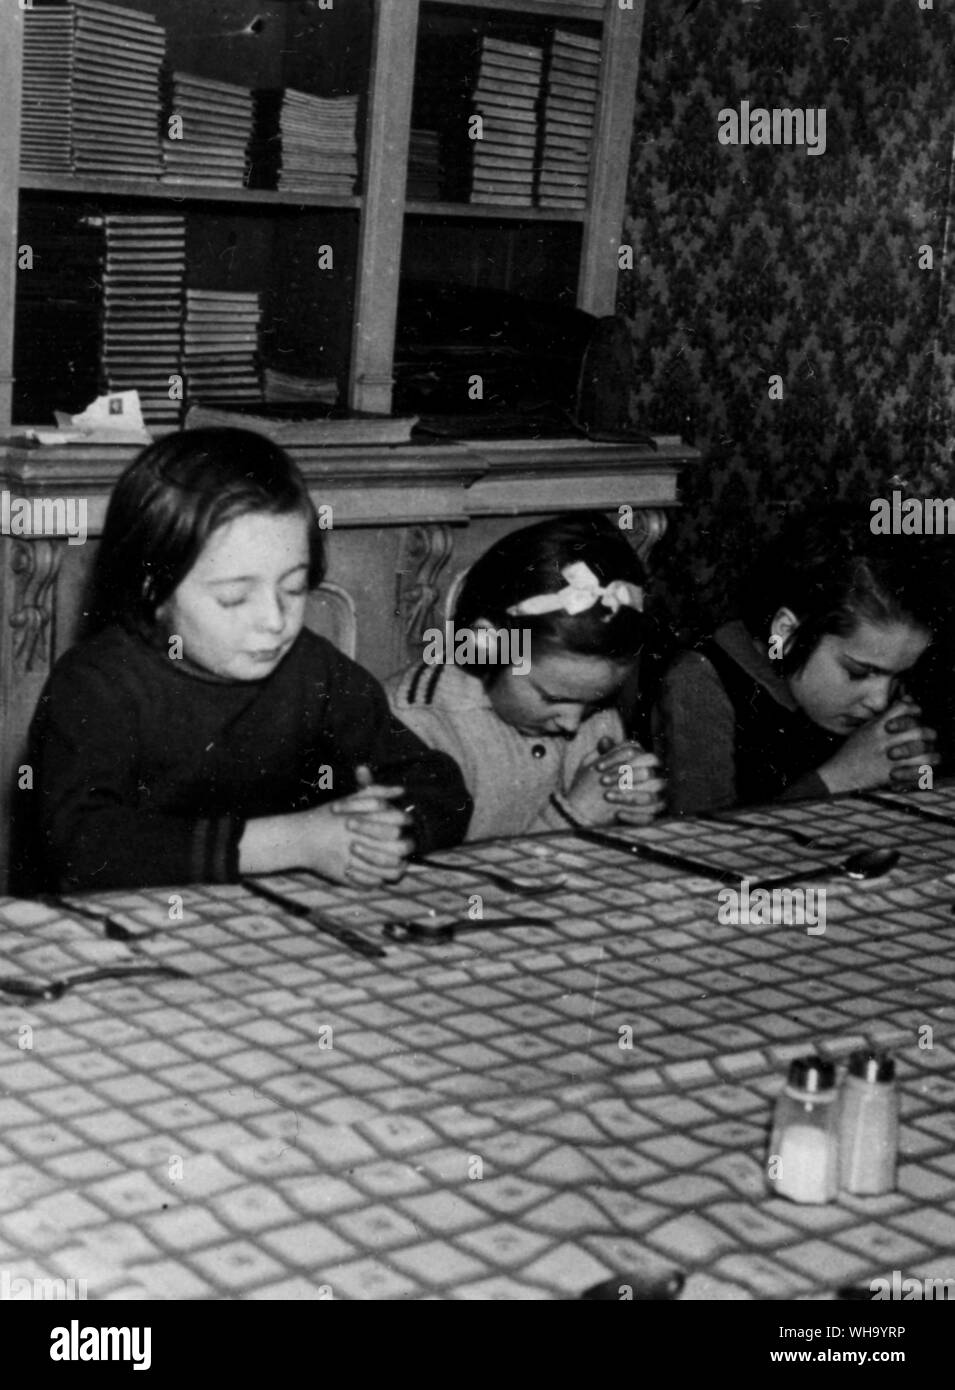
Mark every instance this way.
x=908 y=808
x=345 y=936
x=865 y=864
x=443 y=932
x=55 y=989
x=113 y=929
x=529 y=888
x=799 y=837
x=638 y=850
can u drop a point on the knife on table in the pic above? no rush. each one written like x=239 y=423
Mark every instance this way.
x=636 y=849
x=907 y=808
x=351 y=940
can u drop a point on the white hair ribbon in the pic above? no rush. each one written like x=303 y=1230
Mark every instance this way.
x=583 y=591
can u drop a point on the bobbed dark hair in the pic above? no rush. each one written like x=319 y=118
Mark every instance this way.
x=828 y=568
x=529 y=562
x=171 y=499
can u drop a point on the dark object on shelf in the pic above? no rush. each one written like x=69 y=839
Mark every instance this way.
x=545 y=370
x=606 y=377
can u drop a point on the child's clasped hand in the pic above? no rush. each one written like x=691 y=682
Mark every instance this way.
x=892 y=748
x=622 y=784
x=362 y=838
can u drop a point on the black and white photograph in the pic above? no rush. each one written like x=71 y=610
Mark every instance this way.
x=477 y=671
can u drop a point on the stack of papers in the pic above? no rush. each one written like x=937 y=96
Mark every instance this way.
x=117 y=61
x=221 y=346
x=570 y=107
x=214 y=127
x=424 y=166
x=47 y=108
x=506 y=98
x=308 y=144
x=142 y=310
x=285 y=387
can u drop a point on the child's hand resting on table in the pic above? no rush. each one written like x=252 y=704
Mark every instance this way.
x=890 y=749
x=620 y=784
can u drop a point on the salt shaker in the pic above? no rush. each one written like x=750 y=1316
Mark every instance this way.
x=804 y=1146
x=869 y=1125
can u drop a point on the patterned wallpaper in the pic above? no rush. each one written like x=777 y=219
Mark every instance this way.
x=760 y=260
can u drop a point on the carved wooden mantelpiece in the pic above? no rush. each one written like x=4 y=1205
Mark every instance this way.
x=407 y=521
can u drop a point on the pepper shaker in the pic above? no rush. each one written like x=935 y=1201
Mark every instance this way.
x=869 y=1125
x=804 y=1147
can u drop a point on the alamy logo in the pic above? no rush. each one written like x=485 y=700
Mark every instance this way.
x=779 y=126
x=482 y=646
x=76 y=1343
x=760 y=907
x=43 y=516
x=912 y=516
x=19 y=1287
x=907 y=1289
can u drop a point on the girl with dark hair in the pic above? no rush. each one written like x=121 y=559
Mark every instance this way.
x=204 y=732
x=539 y=740
x=802 y=697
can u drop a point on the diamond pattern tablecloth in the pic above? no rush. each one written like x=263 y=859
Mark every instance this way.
x=515 y=1114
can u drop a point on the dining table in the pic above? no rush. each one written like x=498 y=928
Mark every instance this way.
x=462 y=1087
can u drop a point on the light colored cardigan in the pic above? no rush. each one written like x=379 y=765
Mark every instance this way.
x=514 y=792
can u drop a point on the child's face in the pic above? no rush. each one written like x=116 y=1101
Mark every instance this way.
x=558 y=693
x=850 y=680
x=241 y=606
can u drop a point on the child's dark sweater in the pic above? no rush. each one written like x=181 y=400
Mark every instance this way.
x=731 y=734
x=146 y=771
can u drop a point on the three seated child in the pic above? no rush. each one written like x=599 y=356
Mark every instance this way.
x=203 y=733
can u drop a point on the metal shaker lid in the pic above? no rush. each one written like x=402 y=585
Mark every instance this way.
x=871 y=1065
x=811 y=1074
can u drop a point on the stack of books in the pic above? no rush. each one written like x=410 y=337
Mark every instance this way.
x=143 y=287
x=424 y=166
x=221 y=346
x=307 y=144
x=280 y=388
x=58 y=313
x=570 y=107
x=118 y=57
x=506 y=98
x=47 y=109
x=208 y=127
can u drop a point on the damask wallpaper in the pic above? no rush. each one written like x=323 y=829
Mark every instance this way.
x=757 y=260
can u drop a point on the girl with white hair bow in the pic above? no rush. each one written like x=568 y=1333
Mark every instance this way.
x=522 y=691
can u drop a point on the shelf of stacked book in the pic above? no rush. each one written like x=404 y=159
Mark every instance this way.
x=498 y=212
x=102 y=186
x=512 y=111
x=590 y=10
x=103 y=101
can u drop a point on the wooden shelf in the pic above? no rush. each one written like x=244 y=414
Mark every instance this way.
x=592 y=10
x=496 y=211
x=262 y=238
x=105 y=187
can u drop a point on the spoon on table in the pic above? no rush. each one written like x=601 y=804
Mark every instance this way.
x=799 y=837
x=55 y=989
x=441 y=933
x=530 y=888
x=865 y=863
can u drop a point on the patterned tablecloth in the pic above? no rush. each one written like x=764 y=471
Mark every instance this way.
x=515 y=1114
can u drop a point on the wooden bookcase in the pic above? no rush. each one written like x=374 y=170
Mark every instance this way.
x=409 y=518
x=343 y=324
